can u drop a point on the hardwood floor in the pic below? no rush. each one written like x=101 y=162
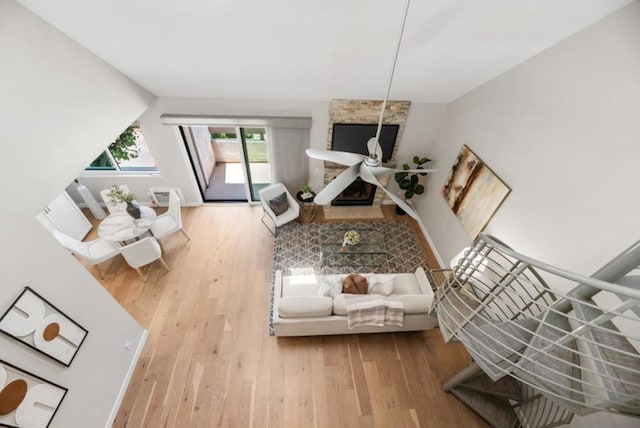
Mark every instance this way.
x=209 y=361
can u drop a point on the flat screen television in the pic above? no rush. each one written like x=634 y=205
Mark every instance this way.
x=353 y=138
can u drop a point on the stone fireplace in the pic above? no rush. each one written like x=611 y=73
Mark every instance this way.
x=363 y=112
x=358 y=193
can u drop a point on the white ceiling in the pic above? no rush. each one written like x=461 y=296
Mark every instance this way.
x=317 y=50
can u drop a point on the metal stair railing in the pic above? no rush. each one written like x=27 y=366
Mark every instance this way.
x=574 y=339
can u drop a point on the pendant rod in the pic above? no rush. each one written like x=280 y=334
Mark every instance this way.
x=393 y=69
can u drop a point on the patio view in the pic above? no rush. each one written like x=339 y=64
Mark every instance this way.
x=228 y=178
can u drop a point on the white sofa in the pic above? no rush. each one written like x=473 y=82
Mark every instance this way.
x=299 y=309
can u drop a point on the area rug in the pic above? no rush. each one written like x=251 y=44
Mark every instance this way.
x=347 y=213
x=297 y=251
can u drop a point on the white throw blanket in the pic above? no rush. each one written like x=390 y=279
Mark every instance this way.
x=373 y=312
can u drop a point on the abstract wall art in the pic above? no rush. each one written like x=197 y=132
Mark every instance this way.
x=27 y=400
x=38 y=324
x=473 y=191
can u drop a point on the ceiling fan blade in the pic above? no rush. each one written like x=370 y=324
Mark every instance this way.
x=336 y=187
x=402 y=204
x=381 y=171
x=416 y=170
x=343 y=158
x=367 y=173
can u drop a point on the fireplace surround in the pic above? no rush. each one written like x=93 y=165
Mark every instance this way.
x=364 y=112
x=357 y=193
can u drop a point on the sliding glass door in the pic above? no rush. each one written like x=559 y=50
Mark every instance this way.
x=231 y=163
x=256 y=151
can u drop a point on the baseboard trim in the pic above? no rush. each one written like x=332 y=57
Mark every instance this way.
x=430 y=242
x=127 y=379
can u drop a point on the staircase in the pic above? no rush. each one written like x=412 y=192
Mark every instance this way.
x=546 y=343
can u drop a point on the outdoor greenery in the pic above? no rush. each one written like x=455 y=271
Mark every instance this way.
x=122 y=149
x=222 y=135
x=102 y=161
x=125 y=147
x=409 y=182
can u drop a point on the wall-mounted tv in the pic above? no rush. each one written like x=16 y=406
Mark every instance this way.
x=353 y=137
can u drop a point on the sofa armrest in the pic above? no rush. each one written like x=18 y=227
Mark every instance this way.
x=277 y=286
x=423 y=282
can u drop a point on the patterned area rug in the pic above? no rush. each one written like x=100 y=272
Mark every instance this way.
x=297 y=250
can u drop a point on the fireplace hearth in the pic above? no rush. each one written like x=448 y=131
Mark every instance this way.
x=357 y=193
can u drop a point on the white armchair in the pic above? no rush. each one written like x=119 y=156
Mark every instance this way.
x=278 y=205
x=95 y=252
x=141 y=253
x=171 y=221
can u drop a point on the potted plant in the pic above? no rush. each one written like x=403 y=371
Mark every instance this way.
x=117 y=194
x=409 y=182
x=306 y=192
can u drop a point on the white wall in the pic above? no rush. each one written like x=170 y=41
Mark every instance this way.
x=169 y=152
x=175 y=170
x=562 y=131
x=59 y=105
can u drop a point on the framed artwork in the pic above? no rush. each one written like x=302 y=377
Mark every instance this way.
x=38 y=324
x=27 y=400
x=473 y=191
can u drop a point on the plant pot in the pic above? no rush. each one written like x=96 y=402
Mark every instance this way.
x=133 y=210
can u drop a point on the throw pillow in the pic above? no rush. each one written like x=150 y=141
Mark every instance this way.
x=279 y=204
x=329 y=287
x=355 y=284
x=381 y=285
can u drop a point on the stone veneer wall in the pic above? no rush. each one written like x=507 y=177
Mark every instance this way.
x=365 y=111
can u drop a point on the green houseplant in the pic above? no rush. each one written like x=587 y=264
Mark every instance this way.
x=116 y=194
x=306 y=192
x=409 y=182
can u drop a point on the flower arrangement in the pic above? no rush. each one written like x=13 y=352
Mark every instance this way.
x=351 y=237
x=117 y=194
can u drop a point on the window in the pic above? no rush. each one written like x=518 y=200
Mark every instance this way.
x=129 y=153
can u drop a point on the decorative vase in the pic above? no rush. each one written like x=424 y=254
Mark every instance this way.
x=133 y=210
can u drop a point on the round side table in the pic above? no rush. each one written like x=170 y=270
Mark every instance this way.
x=307 y=208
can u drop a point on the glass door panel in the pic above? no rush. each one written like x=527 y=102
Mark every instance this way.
x=256 y=151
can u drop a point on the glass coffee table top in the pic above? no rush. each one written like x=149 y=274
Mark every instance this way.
x=370 y=251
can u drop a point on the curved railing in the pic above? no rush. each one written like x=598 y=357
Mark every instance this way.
x=573 y=339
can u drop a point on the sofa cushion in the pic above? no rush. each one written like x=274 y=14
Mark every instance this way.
x=305 y=306
x=413 y=303
x=406 y=283
x=381 y=284
x=340 y=302
x=355 y=284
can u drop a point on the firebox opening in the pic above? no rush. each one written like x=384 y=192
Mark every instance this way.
x=357 y=193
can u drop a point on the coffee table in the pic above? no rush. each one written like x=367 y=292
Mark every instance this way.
x=370 y=251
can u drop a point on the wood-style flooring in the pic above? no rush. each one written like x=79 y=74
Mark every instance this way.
x=209 y=361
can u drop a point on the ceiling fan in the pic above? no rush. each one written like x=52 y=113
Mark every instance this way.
x=368 y=168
